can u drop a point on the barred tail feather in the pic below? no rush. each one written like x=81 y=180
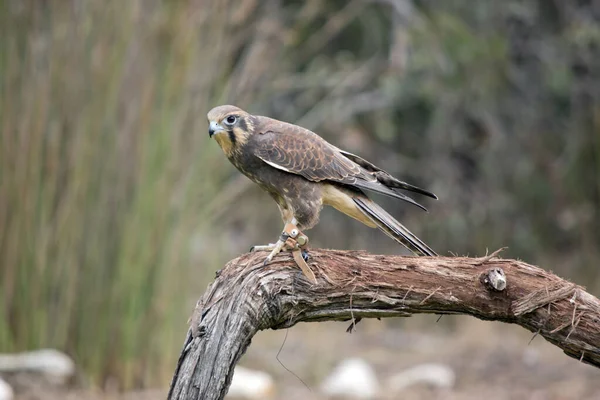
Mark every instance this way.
x=394 y=229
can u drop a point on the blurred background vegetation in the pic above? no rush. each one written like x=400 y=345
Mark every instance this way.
x=116 y=209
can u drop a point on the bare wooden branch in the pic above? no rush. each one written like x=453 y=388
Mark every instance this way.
x=247 y=297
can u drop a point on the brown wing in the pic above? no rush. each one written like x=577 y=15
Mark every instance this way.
x=294 y=149
x=297 y=150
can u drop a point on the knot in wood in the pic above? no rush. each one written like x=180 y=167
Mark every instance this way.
x=265 y=306
x=494 y=279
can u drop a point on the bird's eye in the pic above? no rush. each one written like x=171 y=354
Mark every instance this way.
x=230 y=120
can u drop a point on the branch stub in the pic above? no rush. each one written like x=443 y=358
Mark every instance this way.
x=494 y=279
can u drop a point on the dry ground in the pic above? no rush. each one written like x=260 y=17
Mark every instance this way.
x=492 y=361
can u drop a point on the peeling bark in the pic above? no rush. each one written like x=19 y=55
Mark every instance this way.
x=247 y=297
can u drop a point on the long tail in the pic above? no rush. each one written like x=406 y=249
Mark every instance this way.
x=394 y=229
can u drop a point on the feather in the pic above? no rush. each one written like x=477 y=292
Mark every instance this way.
x=384 y=177
x=394 y=229
x=382 y=189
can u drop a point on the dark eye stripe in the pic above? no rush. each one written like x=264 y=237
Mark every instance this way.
x=232 y=137
x=242 y=125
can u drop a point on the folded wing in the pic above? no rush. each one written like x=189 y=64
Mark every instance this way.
x=299 y=151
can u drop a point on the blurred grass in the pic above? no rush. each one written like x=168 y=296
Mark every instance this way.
x=102 y=174
x=115 y=208
x=106 y=168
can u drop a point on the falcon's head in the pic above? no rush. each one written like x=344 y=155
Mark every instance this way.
x=230 y=126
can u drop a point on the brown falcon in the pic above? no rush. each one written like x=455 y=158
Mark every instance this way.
x=303 y=172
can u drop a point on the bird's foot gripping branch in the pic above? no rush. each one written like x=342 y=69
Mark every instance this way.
x=247 y=297
x=293 y=240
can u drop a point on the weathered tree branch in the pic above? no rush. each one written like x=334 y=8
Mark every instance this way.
x=247 y=297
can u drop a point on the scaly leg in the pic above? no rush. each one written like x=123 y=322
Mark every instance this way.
x=262 y=247
x=291 y=238
x=276 y=249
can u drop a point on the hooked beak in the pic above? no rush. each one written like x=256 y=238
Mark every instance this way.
x=213 y=128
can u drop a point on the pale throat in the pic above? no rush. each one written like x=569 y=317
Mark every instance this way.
x=223 y=140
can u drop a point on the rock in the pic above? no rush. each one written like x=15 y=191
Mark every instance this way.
x=250 y=384
x=433 y=375
x=57 y=367
x=6 y=392
x=352 y=378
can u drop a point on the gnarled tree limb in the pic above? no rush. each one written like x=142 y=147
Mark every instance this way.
x=247 y=297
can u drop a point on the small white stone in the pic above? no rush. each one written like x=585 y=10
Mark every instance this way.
x=434 y=375
x=6 y=392
x=352 y=378
x=251 y=385
x=54 y=365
